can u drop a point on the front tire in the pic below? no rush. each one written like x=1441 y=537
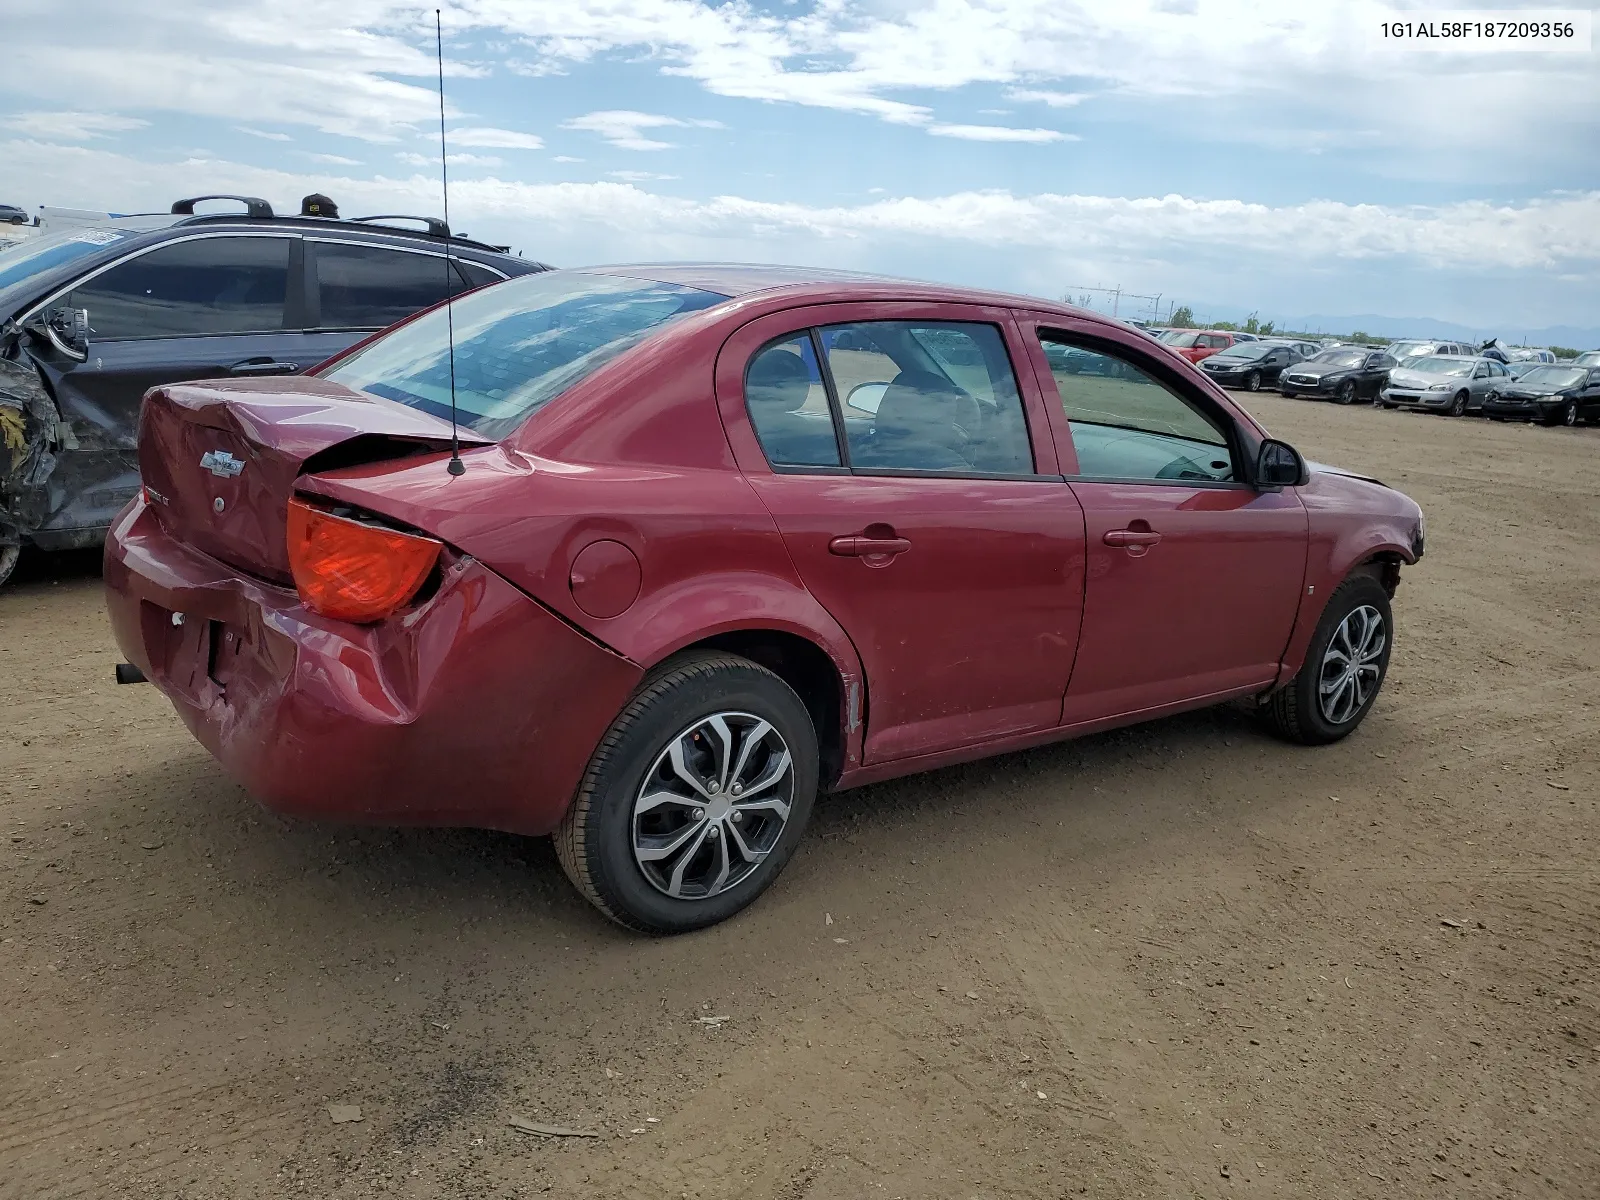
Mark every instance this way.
x=1458 y=405
x=1347 y=392
x=9 y=554
x=1569 y=413
x=1344 y=668
x=696 y=797
x=1252 y=381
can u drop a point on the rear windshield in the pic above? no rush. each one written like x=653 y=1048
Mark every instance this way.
x=518 y=345
x=1180 y=339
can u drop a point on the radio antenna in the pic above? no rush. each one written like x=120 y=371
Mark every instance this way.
x=456 y=467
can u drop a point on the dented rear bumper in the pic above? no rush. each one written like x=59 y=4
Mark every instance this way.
x=477 y=707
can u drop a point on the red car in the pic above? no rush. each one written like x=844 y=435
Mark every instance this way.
x=720 y=538
x=1195 y=344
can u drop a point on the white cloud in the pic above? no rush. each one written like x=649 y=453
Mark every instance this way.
x=496 y=139
x=337 y=160
x=364 y=68
x=1053 y=99
x=638 y=176
x=566 y=158
x=1480 y=238
x=625 y=129
x=263 y=133
x=1000 y=133
x=454 y=160
x=71 y=126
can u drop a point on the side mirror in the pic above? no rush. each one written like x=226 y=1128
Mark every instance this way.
x=67 y=329
x=866 y=396
x=1279 y=464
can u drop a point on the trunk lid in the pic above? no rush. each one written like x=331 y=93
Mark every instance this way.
x=219 y=459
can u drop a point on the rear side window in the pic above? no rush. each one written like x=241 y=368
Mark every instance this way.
x=788 y=405
x=928 y=396
x=189 y=288
x=477 y=276
x=368 y=287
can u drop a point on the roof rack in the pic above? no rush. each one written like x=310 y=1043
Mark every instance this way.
x=435 y=227
x=254 y=206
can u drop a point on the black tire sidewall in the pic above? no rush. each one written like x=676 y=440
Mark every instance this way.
x=1252 y=381
x=618 y=772
x=1458 y=405
x=1350 y=595
x=1345 y=393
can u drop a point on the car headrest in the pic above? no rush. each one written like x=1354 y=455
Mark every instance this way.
x=778 y=377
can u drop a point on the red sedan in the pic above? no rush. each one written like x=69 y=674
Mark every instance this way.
x=720 y=538
x=1196 y=344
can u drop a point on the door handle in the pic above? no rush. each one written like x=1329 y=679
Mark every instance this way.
x=260 y=366
x=862 y=546
x=1131 y=537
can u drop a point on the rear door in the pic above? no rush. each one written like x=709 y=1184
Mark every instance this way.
x=891 y=443
x=1194 y=576
x=356 y=288
x=200 y=306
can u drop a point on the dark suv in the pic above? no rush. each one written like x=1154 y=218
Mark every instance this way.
x=92 y=316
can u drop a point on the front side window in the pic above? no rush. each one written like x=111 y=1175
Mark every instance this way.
x=189 y=288
x=518 y=345
x=367 y=287
x=928 y=396
x=788 y=405
x=1127 y=425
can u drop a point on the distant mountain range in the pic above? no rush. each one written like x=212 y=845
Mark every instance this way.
x=1550 y=335
x=1575 y=336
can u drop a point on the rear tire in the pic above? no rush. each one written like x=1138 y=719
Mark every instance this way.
x=695 y=856
x=1326 y=699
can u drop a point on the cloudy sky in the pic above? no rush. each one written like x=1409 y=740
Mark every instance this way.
x=1230 y=154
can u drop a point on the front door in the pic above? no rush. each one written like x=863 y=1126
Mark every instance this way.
x=895 y=458
x=1194 y=577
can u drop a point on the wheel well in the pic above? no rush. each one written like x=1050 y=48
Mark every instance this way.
x=805 y=667
x=1385 y=568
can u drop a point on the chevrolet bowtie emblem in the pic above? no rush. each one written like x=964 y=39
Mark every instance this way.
x=221 y=464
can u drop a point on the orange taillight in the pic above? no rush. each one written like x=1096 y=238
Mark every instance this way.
x=351 y=571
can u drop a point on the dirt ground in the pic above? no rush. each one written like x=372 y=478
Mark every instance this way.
x=1174 y=961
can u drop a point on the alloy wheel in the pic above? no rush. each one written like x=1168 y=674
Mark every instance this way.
x=1253 y=381
x=1458 y=406
x=1347 y=391
x=1569 y=413
x=1352 y=665
x=713 y=805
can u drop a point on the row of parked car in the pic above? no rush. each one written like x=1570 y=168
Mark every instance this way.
x=1447 y=377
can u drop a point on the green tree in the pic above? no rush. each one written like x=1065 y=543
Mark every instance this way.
x=1266 y=330
x=1251 y=325
x=1563 y=351
x=1182 y=317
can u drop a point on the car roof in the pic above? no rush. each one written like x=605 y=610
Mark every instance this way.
x=743 y=279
